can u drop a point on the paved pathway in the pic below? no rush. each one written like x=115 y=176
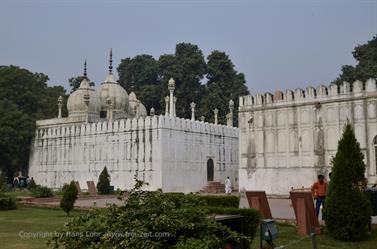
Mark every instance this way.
x=281 y=208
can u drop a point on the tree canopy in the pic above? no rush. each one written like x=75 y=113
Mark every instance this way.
x=24 y=98
x=366 y=66
x=148 y=78
x=75 y=82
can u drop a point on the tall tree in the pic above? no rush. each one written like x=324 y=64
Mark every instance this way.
x=347 y=210
x=16 y=131
x=24 y=98
x=366 y=66
x=140 y=75
x=224 y=83
x=187 y=66
x=75 y=82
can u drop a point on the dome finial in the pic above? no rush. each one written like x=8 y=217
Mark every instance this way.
x=85 y=74
x=111 y=61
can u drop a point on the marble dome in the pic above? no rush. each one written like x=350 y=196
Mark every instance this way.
x=76 y=105
x=136 y=108
x=110 y=89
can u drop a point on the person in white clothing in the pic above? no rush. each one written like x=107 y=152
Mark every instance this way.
x=228 y=186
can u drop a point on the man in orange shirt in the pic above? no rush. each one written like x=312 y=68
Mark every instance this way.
x=319 y=190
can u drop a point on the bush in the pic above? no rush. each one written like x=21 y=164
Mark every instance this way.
x=69 y=197
x=103 y=185
x=7 y=202
x=181 y=223
x=347 y=210
x=250 y=223
x=3 y=184
x=41 y=192
x=31 y=184
x=221 y=201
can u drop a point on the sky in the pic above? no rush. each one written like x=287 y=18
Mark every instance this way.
x=276 y=44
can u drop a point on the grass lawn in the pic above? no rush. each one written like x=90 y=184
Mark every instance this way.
x=29 y=219
x=32 y=219
x=289 y=238
x=18 y=193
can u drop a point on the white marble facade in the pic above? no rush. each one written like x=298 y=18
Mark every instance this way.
x=167 y=152
x=286 y=139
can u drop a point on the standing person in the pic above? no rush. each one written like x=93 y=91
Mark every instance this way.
x=319 y=190
x=228 y=186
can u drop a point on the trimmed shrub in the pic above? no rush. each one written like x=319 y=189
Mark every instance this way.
x=347 y=210
x=221 y=201
x=41 y=192
x=7 y=202
x=69 y=197
x=31 y=184
x=103 y=185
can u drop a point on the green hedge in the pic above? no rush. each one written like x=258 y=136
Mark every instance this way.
x=205 y=200
x=216 y=204
x=7 y=203
x=221 y=200
x=41 y=191
x=251 y=221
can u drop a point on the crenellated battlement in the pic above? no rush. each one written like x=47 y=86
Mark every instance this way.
x=136 y=124
x=310 y=94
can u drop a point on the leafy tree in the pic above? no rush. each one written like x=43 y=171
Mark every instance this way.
x=24 y=98
x=103 y=185
x=187 y=66
x=148 y=78
x=140 y=75
x=48 y=104
x=366 y=67
x=347 y=210
x=224 y=83
x=69 y=197
x=75 y=82
x=137 y=72
x=16 y=131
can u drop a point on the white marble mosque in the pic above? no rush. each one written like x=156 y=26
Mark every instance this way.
x=286 y=139
x=109 y=127
x=283 y=140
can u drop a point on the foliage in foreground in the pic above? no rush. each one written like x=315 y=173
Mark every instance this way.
x=149 y=220
x=347 y=211
x=7 y=202
x=41 y=192
x=69 y=197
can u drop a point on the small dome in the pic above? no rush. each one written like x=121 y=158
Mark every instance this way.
x=76 y=105
x=136 y=108
x=110 y=89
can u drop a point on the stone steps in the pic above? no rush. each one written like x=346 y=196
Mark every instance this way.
x=213 y=187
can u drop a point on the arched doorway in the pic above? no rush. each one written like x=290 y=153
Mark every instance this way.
x=210 y=169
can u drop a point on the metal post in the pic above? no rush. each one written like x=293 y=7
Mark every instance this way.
x=314 y=240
